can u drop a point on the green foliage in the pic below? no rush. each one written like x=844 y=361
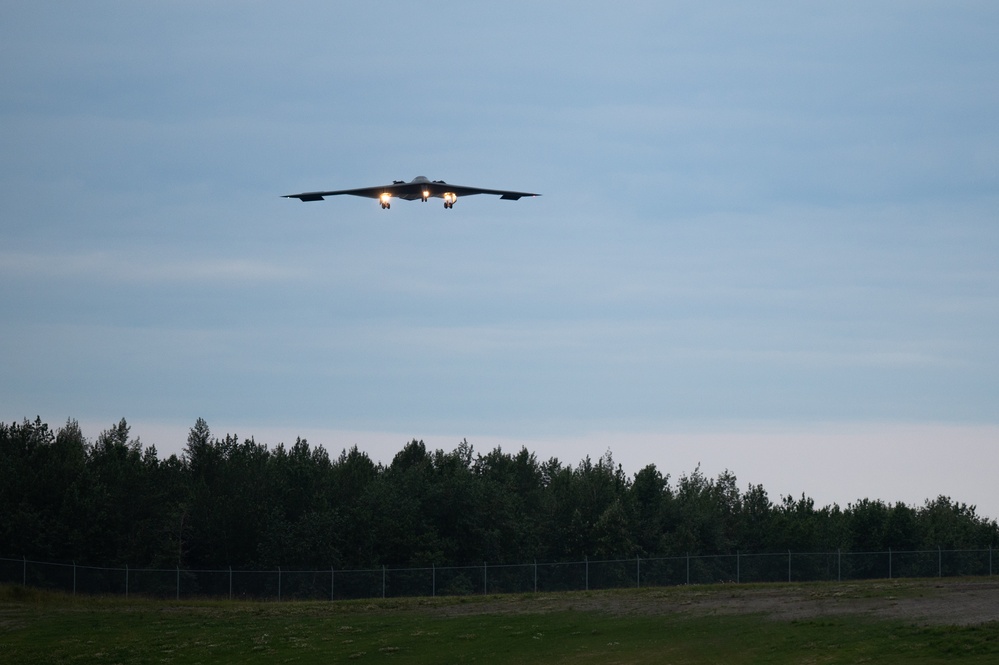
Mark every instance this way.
x=230 y=502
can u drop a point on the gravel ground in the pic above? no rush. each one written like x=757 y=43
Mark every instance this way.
x=919 y=602
x=942 y=602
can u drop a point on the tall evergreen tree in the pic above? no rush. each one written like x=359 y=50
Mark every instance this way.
x=231 y=502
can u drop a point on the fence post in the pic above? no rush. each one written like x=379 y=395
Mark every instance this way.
x=24 y=571
x=74 y=577
x=485 y=578
x=279 y=583
x=889 y=563
x=126 y=580
x=332 y=582
x=536 y=574
x=230 y=582
x=433 y=580
x=939 y=562
x=178 y=582
x=586 y=577
x=638 y=572
x=839 y=565
x=688 y=568
x=738 y=567
x=383 y=580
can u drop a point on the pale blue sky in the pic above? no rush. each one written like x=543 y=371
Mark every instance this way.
x=773 y=222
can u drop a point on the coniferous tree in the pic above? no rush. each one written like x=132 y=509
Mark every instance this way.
x=226 y=502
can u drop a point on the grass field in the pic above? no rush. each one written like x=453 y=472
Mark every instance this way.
x=815 y=623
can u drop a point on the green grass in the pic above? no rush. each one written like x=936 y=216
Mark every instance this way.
x=39 y=627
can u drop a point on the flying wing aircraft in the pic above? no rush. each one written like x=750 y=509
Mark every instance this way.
x=417 y=188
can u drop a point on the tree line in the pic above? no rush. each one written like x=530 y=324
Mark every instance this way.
x=225 y=502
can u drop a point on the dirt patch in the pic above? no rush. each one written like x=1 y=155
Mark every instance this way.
x=942 y=602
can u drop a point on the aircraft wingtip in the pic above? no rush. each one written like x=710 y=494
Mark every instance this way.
x=303 y=197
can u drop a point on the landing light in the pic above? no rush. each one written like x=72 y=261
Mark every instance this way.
x=426 y=195
x=385 y=197
x=450 y=197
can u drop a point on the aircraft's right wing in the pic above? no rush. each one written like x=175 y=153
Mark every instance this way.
x=368 y=192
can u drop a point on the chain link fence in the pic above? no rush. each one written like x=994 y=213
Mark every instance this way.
x=486 y=578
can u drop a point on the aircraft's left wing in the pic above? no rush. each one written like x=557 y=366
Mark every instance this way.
x=461 y=190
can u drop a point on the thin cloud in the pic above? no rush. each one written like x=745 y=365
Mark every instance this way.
x=749 y=212
x=116 y=267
